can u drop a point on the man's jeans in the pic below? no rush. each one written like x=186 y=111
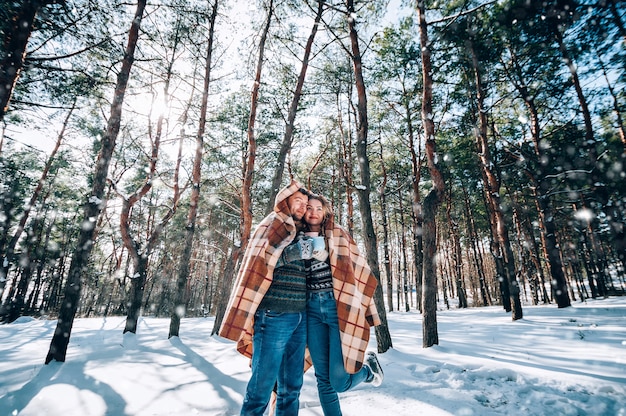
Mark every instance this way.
x=325 y=348
x=279 y=342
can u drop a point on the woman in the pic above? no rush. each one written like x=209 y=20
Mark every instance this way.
x=337 y=342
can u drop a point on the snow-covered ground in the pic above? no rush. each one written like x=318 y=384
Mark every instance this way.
x=568 y=361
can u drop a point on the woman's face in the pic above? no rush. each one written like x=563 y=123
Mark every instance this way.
x=314 y=212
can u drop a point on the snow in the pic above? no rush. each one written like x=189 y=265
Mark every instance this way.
x=569 y=361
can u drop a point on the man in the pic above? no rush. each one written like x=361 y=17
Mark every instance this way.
x=267 y=311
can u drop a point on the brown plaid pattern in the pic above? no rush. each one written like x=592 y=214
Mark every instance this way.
x=269 y=239
x=353 y=287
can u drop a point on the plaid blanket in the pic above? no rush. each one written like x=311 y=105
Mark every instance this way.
x=353 y=287
x=255 y=275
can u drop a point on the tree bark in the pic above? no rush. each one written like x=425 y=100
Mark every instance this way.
x=404 y=263
x=492 y=193
x=383 y=212
x=433 y=199
x=179 y=303
x=293 y=108
x=95 y=203
x=246 y=191
x=382 y=331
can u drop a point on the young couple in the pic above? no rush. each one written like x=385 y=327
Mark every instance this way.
x=292 y=293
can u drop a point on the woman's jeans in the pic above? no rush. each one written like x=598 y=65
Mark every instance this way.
x=325 y=348
x=279 y=342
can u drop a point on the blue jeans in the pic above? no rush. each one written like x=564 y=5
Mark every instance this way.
x=279 y=342
x=325 y=348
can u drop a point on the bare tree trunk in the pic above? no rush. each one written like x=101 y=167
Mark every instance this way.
x=382 y=331
x=457 y=257
x=492 y=193
x=178 y=310
x=404 y=264
x=246 y=191
x=383 y=211
x=434 y=197
x=95 y=204
x=416 y=208
x=293 y=108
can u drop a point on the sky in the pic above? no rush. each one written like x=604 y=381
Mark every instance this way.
x=569 y=361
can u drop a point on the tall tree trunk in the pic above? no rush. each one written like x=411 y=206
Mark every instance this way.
x=178 y=310
x=416 y=208
x=95 y=203
x=383 y=336
x=434 y=197
x=246 y=191
x=457 y=256
x=293 y=108
x=141 y=255
x=405 y=265
x=385 y=224
x=492 y=193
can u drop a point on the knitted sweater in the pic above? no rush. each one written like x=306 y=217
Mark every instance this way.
x=319 y=277
x=287 y=293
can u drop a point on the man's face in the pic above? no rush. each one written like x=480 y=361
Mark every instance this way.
x=297 y=205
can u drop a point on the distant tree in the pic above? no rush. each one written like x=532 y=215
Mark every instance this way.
x=61 y=337
x=435 y=195
x=15 y=307
x=286 y=144
x=179 y=299
x=383 y=336
x=246 y=184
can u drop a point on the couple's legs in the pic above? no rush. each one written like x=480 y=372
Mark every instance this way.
x=279 y=342
x=325 y=348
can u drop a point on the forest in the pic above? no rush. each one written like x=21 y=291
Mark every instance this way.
x=475 y=149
